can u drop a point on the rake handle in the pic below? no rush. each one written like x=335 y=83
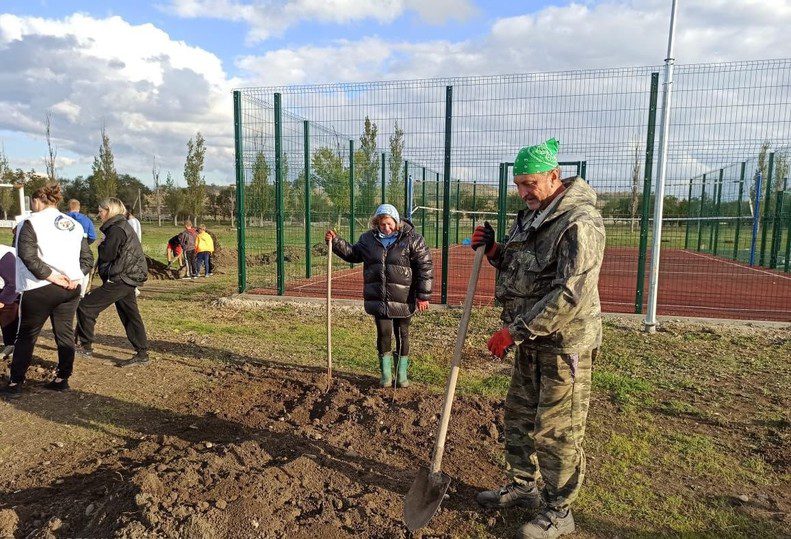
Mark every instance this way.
x=450 y=389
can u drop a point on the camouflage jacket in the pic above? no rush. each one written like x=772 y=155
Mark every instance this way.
x=549 y=274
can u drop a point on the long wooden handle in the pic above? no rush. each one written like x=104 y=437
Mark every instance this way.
x=450 y=389
x=329 y=313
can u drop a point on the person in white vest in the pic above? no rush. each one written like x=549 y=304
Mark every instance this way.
x=52 y=258
x=134 y=222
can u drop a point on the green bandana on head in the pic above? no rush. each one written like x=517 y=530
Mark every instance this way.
x=539 y=158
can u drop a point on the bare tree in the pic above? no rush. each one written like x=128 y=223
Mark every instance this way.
x=52 y=152
x=634 y=204
x=157 y=190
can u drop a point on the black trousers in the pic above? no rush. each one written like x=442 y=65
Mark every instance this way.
x=57 y=304
x=385 y=327
x=9 y=321
x=123 y=295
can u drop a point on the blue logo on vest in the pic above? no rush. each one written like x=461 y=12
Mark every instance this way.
x=64 y=223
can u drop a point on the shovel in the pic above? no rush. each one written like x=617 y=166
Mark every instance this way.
x=425 y=496
x=329 y=314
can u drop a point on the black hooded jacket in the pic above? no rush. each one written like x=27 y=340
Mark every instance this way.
x=394 y=278
x=121 y=257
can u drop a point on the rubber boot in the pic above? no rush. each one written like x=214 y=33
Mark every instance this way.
x=401 y=375
x=386 y=367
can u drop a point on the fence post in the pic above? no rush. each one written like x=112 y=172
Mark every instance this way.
x=787 y=265
x=756 y=217
x=689 y=214
x=423 y=203
x=474 y=203
x=717 y=206
x=767 y=209
x=351 y=193
x=405 y=209
x=241 y=218
x=446 y=194
x=501 y=203
x=700 y=212
x=739 y=212
x=279 y=230
x=436 y=215
x=384 y=184
x=583 y=169
x=647 y=174
x=306 y=147
x=777 y=228
x=458 y=205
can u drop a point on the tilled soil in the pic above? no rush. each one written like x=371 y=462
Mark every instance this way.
x=265 y=452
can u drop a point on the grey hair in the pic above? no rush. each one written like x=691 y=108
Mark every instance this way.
x=113 y=206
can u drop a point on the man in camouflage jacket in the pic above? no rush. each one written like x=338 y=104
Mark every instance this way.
x=548 y=286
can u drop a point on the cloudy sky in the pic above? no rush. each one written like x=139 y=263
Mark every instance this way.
x=154 y=73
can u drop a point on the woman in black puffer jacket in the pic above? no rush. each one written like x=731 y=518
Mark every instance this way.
x=398 y=274
x=122 y=268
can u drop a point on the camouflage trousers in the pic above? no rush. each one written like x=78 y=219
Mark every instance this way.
x=545 y=412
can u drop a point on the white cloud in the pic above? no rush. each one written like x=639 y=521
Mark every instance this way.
x=272 y=18
x=152 y=93
x=575 y=36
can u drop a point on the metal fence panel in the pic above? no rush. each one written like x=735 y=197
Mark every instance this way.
x=454 y=138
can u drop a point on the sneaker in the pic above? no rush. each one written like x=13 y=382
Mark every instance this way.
x=510 y=495
x=11 y=391
x=54 y=385
x=209 y=274
x=548 y=524
x=84 y=351
x=8 y=351
x=139 y=359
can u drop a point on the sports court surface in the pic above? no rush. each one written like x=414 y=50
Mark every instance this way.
x=690 y=284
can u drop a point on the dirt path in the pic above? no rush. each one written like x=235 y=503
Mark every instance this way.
x=183 y=448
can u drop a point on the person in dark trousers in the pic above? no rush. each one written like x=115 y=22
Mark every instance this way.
x=204 y=247
x=187 y=239
x=122 y=268
x=397 y=275
x=9 y=299
x=52 y=258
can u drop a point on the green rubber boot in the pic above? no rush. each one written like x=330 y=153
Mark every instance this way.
x=401 y=378
x=386 y=367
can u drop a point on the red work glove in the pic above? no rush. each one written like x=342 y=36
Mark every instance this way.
x=484 y=235
x=330 y=235
x=500 y=342
x=422 y=305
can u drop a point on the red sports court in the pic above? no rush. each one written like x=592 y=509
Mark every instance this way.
x=690 y=284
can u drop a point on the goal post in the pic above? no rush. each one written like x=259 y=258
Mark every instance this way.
x=11 y=223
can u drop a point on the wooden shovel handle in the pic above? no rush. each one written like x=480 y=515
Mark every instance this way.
x=450 y=389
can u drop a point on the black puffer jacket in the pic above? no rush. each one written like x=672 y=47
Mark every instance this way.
x=121 y=256
x=396 y=277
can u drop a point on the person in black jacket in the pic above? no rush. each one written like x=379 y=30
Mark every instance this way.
x=397 y=274
x=122 y=268
x=52 y=259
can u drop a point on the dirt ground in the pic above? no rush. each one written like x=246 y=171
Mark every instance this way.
x=211 y=442
x=249 y=451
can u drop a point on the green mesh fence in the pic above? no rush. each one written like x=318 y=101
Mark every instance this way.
x=345 y=148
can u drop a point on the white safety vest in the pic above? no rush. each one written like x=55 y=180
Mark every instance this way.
x=59 y=239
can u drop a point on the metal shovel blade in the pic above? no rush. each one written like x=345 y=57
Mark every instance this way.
x=424 y=498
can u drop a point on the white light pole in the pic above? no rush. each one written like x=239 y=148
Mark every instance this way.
x=653 y=285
